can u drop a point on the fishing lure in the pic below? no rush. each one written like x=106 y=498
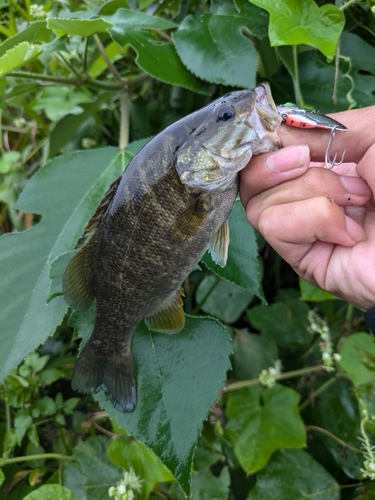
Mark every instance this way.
x=296 y=116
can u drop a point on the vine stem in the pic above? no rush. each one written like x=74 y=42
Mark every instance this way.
x=332 y=436
x=317 y=393
x=40 y=456
x=124 y=125
x=283 y=376
x=67 y=81
x=348 y=4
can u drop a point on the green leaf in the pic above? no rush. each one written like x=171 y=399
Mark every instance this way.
x=215 y=48
x=46 y=406
x=157 y=58
x=35 y=32
x=206 y=486
x=57 y=102
x=292 y=475
x=178 y=378
x=242 y=267
x=286 y=322
x=77 y=27
x=262 y=421
x=67 y=190
x=312 y=293
x=7 y=161
x=358 y=358
x=91 y=473
x=22 y=422
x=222 y=299
x=48 y=491
x=127 y=453
x=18 y=56
x=336 y=411
x=2 y=477
x=294 y=23
x=252 y=354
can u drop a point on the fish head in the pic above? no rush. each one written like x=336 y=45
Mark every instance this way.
x=230 y=131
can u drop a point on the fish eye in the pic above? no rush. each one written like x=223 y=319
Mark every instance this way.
x=225 y=114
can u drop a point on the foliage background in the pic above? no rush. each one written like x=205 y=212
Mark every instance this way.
x=83 y=84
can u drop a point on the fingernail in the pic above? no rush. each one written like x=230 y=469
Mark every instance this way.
x=288 y=158
x=356 y=185
x=354 y=230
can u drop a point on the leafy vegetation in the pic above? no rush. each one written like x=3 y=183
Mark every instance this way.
x=255 y=401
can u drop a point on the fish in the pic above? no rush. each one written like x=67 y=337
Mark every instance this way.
x=154 y=225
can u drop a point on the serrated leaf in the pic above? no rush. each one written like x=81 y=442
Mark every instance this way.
x=35 y=32
x=77 y=27
x=252 y=354
x=18 y=56
x=67 y=191
x=222 y=299
x=294 y=23
x=154 y=56
x=292 y=475
x=262 y=421
x=92 y=473
x=215 y=48
x=129 y=453
x=242 y=267
x=358 y=358
x=286 y=322
x=178 y=378
x=48 y=491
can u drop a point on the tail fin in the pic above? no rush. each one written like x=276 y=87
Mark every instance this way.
x=115 y=375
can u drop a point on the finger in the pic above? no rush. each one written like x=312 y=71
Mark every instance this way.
x=267 y=170
x=365 y=167
x=293 y=229
x=315 y=182
x=359 y=137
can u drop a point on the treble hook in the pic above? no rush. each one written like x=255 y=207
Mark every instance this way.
x=332 y=163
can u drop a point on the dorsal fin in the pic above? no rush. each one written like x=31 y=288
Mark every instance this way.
x=106 y=200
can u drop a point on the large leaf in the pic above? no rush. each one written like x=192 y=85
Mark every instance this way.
x=17 y=56
x=67 y=192
x=358 y=358
x=48 y=491
x=294 y=475
x=242 y=267
x=157 y=58
x=262 y=421
x=336 y=410
x=36 y=31
x=293 y=22
x=77 y=27
x=286 y=322
x=215 y=48
x=92 y=473
x=178 y=378
x=222 y=299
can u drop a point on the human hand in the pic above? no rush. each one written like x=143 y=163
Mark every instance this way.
x=322 y=222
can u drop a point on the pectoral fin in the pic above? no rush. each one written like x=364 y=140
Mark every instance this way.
x=219 y=247
x=169 y=317
x=77 y=281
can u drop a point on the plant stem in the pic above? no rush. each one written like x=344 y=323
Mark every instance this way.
x=67 y=81
x=292 y=374
x=104 y=54
x=332 y=436
x=7 y=416
x=84 y=69
x=124 y=125
x=348 y=4
x=40 y=456
x=349 y=312
x=297 y=89
x=317 y=393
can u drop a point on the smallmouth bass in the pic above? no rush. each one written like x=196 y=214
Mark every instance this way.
x=154 y=225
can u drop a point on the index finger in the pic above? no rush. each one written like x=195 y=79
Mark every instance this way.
x=357 y=140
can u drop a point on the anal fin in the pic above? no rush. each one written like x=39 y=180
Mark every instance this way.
x=219 y=247
x=170 y=316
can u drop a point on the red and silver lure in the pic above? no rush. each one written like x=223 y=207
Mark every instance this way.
x=295 y=116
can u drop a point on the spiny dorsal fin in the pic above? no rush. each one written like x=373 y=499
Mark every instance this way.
x=219 y=247
x=77 y=281
x=96 y=218
x=169 y=317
